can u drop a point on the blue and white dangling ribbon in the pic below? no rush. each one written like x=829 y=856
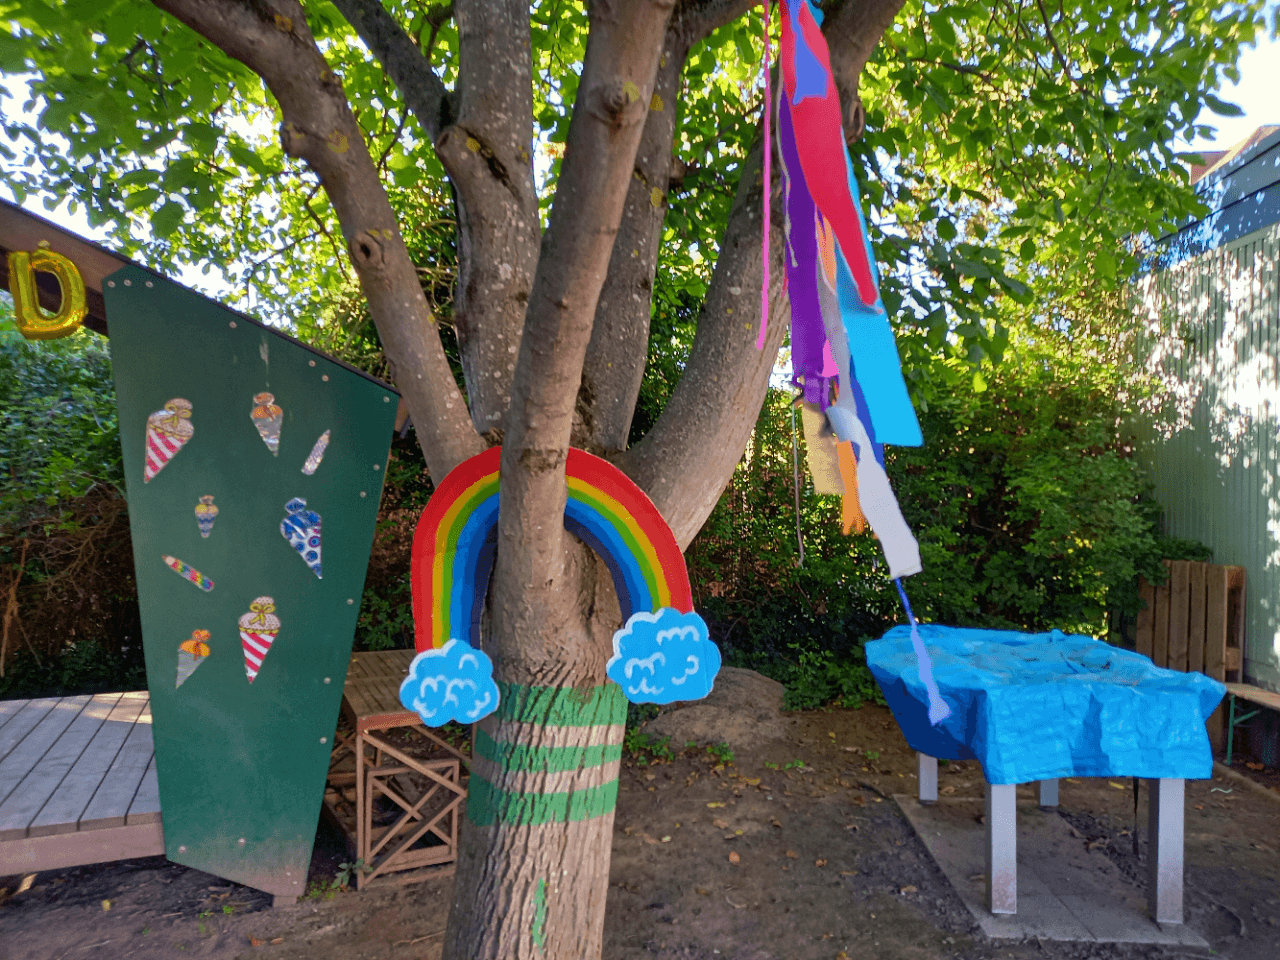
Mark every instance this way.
x=939 y=709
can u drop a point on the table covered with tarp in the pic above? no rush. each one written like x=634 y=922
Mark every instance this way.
x=1047 y=705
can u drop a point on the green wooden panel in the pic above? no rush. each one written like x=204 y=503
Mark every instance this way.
x=242 y=765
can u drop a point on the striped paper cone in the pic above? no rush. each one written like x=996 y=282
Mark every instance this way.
x=168 y=431
x=187 y=663
x=256 y=644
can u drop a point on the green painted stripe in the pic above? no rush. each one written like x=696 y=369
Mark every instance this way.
x=520 y=756
x=539 y=913
x=562 y=706
x=487 y=805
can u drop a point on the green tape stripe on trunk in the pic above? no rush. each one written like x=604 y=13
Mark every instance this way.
x=488 y=805
x=563 y=706
x=555 y=707
x=519 y=756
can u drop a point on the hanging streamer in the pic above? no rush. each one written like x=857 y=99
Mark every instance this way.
x=768 y=185
x=939 y=709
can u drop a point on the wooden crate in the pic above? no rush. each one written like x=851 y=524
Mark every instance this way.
x=1194 y=621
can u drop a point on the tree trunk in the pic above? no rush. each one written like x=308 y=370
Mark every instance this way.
x=533 y=868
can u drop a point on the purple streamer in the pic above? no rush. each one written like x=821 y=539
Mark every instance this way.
x=939 y=709
x=807 y=332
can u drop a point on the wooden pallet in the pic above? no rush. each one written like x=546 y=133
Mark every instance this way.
x=1194 y=621
x=367 y=770
x=77 y=782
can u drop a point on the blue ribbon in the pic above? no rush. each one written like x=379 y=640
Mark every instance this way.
x=939 y=710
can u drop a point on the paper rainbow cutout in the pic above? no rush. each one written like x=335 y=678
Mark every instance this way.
x=456 y=541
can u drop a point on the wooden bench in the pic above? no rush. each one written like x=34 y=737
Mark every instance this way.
x=1194 y=621
x=1264 y=699
x=77 y=782
x=363 y=758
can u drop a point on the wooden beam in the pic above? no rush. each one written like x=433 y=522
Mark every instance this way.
x=1197 y=618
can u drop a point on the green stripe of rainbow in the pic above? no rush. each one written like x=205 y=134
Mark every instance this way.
x=454 y=544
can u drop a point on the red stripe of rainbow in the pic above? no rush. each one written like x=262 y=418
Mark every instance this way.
x=454 y=544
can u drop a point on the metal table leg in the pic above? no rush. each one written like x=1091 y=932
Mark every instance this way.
x=928 y=776
x=1001 y=823
x=1164 y=861
x=1049 y=793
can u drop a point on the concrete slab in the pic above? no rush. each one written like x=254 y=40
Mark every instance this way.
x=1065 y=892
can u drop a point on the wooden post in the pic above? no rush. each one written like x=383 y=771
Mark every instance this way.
x=1160 y=631
x=1197 y=618
x=1146 y=617
x=1215 y=645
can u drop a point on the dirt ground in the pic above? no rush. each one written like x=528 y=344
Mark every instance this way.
x=795 y=851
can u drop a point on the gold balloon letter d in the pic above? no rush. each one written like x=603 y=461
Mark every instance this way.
x=34 y=323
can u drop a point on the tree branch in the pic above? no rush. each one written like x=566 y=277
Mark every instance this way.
x=483 y=137
x=423 y=92
x=533 y=574
x=271 y=38
x=616 y=355
x=684 y=462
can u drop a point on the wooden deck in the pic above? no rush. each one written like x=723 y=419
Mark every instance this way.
x=77 y=782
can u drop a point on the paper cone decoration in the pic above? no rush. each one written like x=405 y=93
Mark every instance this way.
x=168 y=431
x=258 y=629
x=302 y=529
x=188 y=573
x=205 y=514
x=316 y=454
x=268 y=417
x=192 y=653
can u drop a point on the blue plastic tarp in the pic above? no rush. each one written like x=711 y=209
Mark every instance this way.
x=1035 y=706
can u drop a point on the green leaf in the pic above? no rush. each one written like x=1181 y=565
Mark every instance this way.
x=1221 y=107
x=167 y=219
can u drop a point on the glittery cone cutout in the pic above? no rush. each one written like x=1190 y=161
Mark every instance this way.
x=258 y=629
x=302 y=529
x=268 y=417
x=192 y=653
x=206 y=511
x=168 y=431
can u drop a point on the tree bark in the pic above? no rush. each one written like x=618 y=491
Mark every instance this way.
x=271 y=38
x=482 y=134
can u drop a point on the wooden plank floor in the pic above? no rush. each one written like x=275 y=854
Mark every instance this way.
x=77 y=782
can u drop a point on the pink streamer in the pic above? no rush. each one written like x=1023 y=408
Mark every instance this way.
x=768 y=176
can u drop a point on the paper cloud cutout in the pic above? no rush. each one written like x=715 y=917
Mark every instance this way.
x=453 y=682
x=663 y=657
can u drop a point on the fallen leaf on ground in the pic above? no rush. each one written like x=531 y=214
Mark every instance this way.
x=666 y=839
x=720 y=824
x=776 y=822
x=842 y=956
x=1095 y=844
x=947 y=790
x=734 y=858
x=278 y=940
x=106 y=905
x=255 y=942
x=713 y=805
x=791 y=854
x=1199 y=806
x=753 y=781
x=848 y=873
x=909 y=888
x=1255 y=766
x=1118 y=786
x=977 y=876
x=819 y=863
x=705 y=893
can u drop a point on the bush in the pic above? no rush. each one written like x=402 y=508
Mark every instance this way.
x=1029 y=508
x=66 y=560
